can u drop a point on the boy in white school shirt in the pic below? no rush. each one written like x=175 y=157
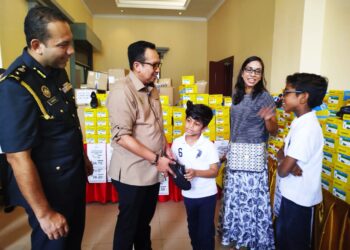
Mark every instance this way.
x=200 y=158
x=301 y=162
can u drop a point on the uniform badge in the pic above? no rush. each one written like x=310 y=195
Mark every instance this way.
x=46 y=91
x=66 y=87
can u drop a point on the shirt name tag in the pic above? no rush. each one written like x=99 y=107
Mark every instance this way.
x=52 y=100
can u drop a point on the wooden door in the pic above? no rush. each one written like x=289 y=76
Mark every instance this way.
x=220 y=76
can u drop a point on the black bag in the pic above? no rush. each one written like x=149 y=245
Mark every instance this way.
x=343 y=111
x=180 y=180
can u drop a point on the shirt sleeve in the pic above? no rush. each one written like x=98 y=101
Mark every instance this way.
x=213 y=153
x=19 y=118
x=122 y=109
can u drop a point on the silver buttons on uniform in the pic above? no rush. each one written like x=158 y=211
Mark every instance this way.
x=58 y=168
x=61 y=110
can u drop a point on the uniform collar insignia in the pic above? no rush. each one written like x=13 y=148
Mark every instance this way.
x=46 y=91
x=39 y=72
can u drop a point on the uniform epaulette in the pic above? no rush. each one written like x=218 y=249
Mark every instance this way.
x=18 y=73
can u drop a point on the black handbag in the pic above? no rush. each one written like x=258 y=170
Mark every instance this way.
x=180 y=180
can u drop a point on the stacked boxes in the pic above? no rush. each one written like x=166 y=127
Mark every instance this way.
x=97 y=128
x=179 y=117
x=337 y=99
x=222 y=122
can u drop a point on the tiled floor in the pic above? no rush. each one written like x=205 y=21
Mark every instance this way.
x=169 y=228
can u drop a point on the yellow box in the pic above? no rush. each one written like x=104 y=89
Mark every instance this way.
x=215 y=100
x=169 y=138
x=209 y=133
x=328 y=169
x=102 y=112
x=187 y=97
x=331 y=141
x=90 y=131
x=329 y=156
x=227 y=101
x=102 y=122
x=327 y=183
x=187 y=80
x=103 y=131
x=188 y=89
x=344 y=137
x=222 y=111
x=167 y=111
x=164 y=99
x=222 y=128
x=342 y=173
x=289 y=116
x=335 y=96
x=89 y=112
x=103 y=139
x=343 y=156
x=179 y=122
x=341 y=191
x=91 y=139
x=179 y=113
x=101 y=98
x=90 y=122
x=220 y=136
x=222 y=121
x=167 y=121
x=346 y=121
x=202 y=99
x=178 y=131
x=333 y=124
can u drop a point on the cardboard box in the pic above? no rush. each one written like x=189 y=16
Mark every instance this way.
x=202 y=87
x=115 y=74
x=97 y=80
x=168 y=91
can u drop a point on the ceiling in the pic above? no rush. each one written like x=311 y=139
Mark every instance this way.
x=196 y=9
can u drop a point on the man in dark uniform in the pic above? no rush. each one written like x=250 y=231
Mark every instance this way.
x=40 y=134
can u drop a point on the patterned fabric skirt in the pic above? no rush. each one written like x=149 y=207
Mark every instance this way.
x=245 y=218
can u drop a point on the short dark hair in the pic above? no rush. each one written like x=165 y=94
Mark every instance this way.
x=36 y=21
x=240 y=85
x=136 y=51
x=314 y=85
x=199 y=112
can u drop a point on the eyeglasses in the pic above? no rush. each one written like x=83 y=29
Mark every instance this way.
x=250 y=71
x=286 y=92
x=153 y=65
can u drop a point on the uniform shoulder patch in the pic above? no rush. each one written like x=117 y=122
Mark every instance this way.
x=18 y=73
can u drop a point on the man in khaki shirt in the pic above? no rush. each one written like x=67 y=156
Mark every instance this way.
x=138 y=143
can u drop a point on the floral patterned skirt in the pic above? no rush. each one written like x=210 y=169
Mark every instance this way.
x=245 y=218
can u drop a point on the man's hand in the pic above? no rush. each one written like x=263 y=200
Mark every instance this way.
x=89 y=168
x=163 y=166
x=54 y=225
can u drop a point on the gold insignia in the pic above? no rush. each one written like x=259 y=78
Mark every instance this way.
x=46 y=91
x=66 y=87
x=22 y=69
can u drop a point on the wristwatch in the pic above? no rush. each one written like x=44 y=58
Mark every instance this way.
x=155 y=162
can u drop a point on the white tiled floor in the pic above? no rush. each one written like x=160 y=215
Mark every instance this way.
x=169 y=228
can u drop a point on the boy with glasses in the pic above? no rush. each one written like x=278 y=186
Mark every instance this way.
x=301 y=162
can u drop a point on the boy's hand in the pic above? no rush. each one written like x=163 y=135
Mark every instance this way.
x=296 y=171
x=190 y=174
